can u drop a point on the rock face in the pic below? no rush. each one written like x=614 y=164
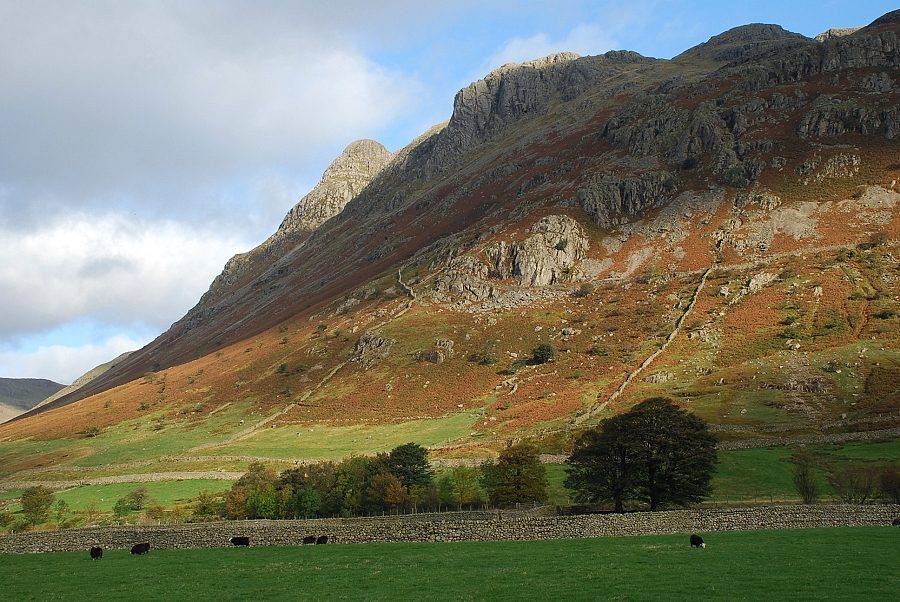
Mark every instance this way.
x=549 y=256
x=546 y=257
x=465 y=278
x=511 y=92
x=345 y=178
x=836 y=32
x=610 y=200
x=370 y=348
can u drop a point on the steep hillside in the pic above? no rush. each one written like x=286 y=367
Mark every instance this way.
x=721 y=228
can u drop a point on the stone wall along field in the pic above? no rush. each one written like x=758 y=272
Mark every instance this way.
x=480 y=526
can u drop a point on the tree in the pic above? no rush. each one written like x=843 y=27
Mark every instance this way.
x=805 y=482
x=466 y=489
x=91 y=512
x=409 y=463
x=61 y=508
x=604 y=464
x=656 y=453
x=36 y=503
x=262 y=502
x=543 y=353
x=386 y=491
x=307 y=502
x=237 y=501
x=517 y=477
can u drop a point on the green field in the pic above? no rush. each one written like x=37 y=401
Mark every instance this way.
x=321 y=442
x=167 y=493
x=816 y=564
x=764 y=474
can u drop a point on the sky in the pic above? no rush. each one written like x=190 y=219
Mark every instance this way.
x=143 y=143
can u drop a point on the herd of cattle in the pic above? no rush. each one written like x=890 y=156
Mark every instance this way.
x=241 y=541
x=244 y=541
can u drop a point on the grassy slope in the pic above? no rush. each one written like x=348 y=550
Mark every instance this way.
x=835 y=564
x=167 y=493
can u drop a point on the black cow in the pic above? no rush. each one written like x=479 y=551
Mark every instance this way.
x=697 y=542
x=321 y=539
x=896 y=522
x=240 y=541
x=309 y=539
x=140 y=548
x=96 y=553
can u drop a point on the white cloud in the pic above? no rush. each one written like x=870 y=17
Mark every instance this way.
x=113 y=269
x=155 y=105
x=584 y=39
x=63 y=364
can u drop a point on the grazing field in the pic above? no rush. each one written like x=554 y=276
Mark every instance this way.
x=166 y=493
x=755 y=474
x=816 y=564
x=324 y=442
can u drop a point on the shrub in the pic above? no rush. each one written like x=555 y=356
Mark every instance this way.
x=889 y=484
x=854 y=484
x=805 y=482
x=543 y=353
x=209 y=505
x=585 y=289
x=133 y=501
x=735 y=176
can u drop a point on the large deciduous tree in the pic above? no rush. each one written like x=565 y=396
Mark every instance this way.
x=517 y=477
x=657 y=453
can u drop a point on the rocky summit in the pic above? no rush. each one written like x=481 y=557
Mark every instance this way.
x=720 y=228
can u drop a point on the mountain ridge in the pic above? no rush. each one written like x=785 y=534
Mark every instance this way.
x=618 y=105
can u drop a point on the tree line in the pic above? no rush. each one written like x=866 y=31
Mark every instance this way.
x=656 y=455
x=399 y=481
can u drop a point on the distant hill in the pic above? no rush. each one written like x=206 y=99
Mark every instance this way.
x=18 y=395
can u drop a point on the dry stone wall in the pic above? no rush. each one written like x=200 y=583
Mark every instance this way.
x=480 y=526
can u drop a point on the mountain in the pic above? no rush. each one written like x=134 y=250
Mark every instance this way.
x=18 y=395
x=720 y=228
x=83 y=379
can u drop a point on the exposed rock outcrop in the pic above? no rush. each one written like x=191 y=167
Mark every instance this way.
x=546 y=257
x=370 y=348
x=549 y=256
x=345 y=178
x=611 y=200
x=836 y=32
x=465 y=278
x=507 y=94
